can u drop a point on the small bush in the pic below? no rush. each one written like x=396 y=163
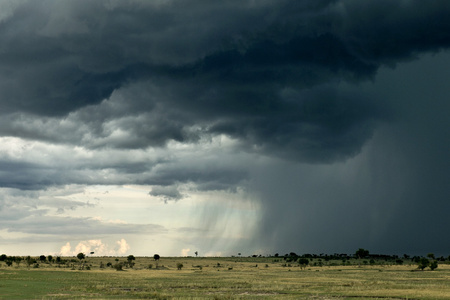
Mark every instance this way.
x=118 y=267
x=179 y=266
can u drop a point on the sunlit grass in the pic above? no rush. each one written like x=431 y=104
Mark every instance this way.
x=222 y=278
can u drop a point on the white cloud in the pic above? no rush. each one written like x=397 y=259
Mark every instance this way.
x=66 y=250
x=96 y=246
x=123 y=247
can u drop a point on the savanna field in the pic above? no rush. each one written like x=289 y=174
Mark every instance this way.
x=221 y=278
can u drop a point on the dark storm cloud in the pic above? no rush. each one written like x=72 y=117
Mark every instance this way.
x=394 y=191
x=245 y=69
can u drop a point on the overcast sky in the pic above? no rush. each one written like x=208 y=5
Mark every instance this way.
x=224 y=127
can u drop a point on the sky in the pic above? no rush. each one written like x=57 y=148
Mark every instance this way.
x=224 y=127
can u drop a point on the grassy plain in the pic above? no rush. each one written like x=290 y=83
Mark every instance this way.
x=222 y=278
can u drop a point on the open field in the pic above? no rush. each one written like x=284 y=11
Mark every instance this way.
x=221 y=278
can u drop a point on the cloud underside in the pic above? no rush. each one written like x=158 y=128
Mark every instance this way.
x=98 y=75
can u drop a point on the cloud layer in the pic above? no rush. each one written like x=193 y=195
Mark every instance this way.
x=198 y=96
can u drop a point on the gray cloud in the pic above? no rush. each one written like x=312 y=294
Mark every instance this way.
x=167 y=193
x=202 y=74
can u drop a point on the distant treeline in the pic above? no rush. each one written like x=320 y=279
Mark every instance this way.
x=292 y=256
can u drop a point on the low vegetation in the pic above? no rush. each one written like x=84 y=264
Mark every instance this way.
x=291 y=276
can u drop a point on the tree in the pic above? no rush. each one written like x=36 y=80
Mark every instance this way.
x=303 y=262
x=50 y=258
x=430 y=255
x=423 y=263
x=362 y=253
x=196 y=253
x=81 y=256
x=179 y=266
x=156 y=257
x=42 y=258
x=433 y=265
x=18 y=259
x=9 y=261
x=130 y=259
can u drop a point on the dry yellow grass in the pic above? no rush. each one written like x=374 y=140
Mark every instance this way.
x=224 y=278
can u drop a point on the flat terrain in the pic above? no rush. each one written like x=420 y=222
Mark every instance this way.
x=221 y=278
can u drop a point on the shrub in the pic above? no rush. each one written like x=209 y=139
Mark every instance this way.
x=423 y=263
x=433 y=265
x=179 y=266
x=303 y=262
x=118 y=267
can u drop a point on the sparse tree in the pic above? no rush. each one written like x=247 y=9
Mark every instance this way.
x=303 y=262
x=9 y=261
x=433 y=265
x=81 y=257
x=17 y=260
x=362 y=253
x=29 y=261
x=423 y=263
x=118 y=267
x=130 y=259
